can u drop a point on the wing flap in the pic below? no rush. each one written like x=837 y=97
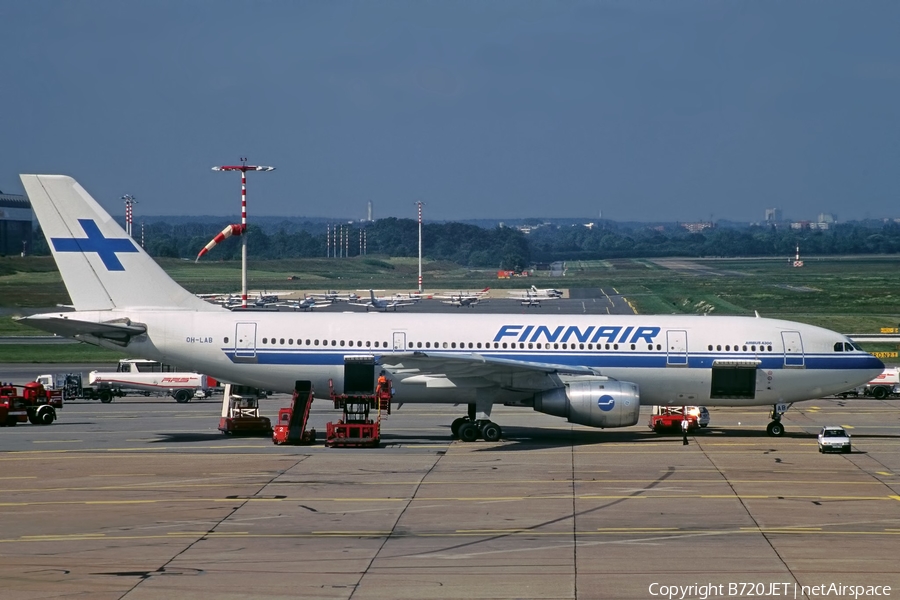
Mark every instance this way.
x=445 y=369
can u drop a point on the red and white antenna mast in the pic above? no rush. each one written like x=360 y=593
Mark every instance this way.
x=129 y=215
x=420 y=204
x=241 y=229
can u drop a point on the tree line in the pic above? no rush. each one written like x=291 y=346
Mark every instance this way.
x=509 y=248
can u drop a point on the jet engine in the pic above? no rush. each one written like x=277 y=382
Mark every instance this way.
x=592 y=401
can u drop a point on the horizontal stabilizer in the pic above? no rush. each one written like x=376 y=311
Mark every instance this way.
x=119 y=331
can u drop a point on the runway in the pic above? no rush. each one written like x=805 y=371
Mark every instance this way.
x=146 y=499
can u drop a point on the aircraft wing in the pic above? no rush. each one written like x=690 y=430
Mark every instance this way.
x=443 y=369
x=119 y=331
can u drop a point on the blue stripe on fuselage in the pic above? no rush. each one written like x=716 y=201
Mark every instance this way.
x=594 y=359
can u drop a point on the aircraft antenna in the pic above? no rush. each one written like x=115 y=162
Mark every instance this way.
x=241 y=229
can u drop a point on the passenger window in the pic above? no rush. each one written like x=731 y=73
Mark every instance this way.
x=453 y=345
x=428 y=344
x=727 y=348
x=290 y=341
x=265 y=340
x=226 y=339
x=504 y=344
x=281 y=341
x=478 y=344
x=753 y=348
x=650 y=347
x=632 y=346
x=710 y=347
x=745 y=348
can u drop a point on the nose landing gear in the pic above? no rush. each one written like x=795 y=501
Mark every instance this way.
x=775 y=428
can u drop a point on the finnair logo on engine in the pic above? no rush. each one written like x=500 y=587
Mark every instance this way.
x=606 y=403
x=573 y=333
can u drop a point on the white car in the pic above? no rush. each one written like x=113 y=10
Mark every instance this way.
x=834 y=438
x=701 y=413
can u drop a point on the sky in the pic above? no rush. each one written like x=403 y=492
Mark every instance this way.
x=636 y=110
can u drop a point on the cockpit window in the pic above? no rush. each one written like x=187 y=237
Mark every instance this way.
x=839 y=346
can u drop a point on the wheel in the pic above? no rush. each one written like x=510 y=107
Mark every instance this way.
x=34 y=420
x=846 y=450
x=182 y=396
x=491 y=432
x=880 y=393
x=455 y=425
x=46 y=417
x=820 y=450
x=105 y=396
x=11 y=421
x=468 y=432
x=775 y=428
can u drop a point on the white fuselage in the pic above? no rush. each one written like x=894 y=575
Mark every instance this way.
x=669 y=357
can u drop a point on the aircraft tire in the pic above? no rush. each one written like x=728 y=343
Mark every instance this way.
x=468 y=432
x=491 y=432
x=456 y=424
x=775 y=429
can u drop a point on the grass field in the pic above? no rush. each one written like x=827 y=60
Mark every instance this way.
x=848 y=294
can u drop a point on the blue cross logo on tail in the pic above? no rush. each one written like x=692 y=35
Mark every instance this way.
x=105 y=247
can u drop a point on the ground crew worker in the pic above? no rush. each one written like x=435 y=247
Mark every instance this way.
x=384 y=385
x=684 y=429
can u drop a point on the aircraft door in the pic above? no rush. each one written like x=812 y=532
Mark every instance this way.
x=676 y=348
x=793 y=349
x=245 y=340
x=399 y=341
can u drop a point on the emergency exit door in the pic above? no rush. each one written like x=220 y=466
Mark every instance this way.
x=676 y=348
x=245 y=341
x=793 y=349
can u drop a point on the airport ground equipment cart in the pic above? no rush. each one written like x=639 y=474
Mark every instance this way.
x=360 y=424
x=667 y=419
x=240 y=411
x=35 y=404
x=291 y=426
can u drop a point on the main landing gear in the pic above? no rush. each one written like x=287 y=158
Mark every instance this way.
x=775 y=428
x=470 y=428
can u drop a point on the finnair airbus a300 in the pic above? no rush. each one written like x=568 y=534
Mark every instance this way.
x=591 y=370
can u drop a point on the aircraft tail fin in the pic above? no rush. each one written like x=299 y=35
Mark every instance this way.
x=102 y=267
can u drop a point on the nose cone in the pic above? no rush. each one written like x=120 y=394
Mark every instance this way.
x=873 y=366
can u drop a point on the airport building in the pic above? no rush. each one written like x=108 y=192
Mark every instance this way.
x=15 y=224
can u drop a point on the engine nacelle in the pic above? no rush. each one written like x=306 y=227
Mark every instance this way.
x=593 y=401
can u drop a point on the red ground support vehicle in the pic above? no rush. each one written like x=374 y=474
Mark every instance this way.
x=291 y=426
x=357 y=428
x=36 y=404
x=667 y=419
